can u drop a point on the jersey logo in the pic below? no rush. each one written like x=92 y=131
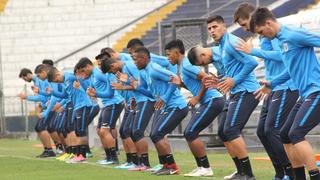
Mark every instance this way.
x=285 y=47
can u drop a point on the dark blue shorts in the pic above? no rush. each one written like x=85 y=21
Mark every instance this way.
x=81 y=120
x=53 y=126
x=240 y=108
x=110 y=115
x=126 y=124
x=70 y=126
x=43 y=123
x=94 y=111
x=203 y=117
x=302 y=119
x=166 y=122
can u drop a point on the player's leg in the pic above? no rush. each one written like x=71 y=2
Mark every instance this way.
x=166 y=123
x=201 y=119
x=305 y=120
x=240 y=108
x=94 y=111
x=144 y=111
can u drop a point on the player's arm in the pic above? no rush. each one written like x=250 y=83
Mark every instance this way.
x=281 y=78
x=52 y=103
x=306 y=38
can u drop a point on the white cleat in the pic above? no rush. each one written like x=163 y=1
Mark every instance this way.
x=234 y=175
x=200 y=172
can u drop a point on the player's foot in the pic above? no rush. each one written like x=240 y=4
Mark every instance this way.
x=62 y=156
x=155 y=168
x=89 y=155
x=234 y=175
x=126 y=166
x=200 y=171
x=286 y=178
x=68 y=157
x=244 y=177
x=140 y=167
x=108 y=162
x=77 y=159
x=47 y=154
x=59 y=152
x=168 y=170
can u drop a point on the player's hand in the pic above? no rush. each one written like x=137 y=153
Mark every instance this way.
x=159 y=104
x=133 y=83
x=117 y=86
x=243 y=46
x=60 y=110
x=263 y=91
x=91 y=92
x=56 y=106
x=35 y=89
x=122 y=77
x=47 y=103
x=76 y=84
x=211 y=81
x=193 y=101
x=175 y=80
x=48 y=90
x=132 y=103
x=225 y=85
x=22 y=96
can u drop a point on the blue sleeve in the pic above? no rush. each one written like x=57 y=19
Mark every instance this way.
x=160 y=73
x=248 y=61
x=42 y=88
x=36 y=98
x=168 y=95
x=63 y=102
x=161 y=60
x=84 y=83
x=270 y=55
x=305 y=38
x=109 y=92
x=191 y=71
x=52 y=103
x=144 y=91
x=133 y=71
x=101 y=77
x=281 y=78
x=59 y=94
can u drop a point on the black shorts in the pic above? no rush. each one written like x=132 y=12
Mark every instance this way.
x=81 y=121
x=94 y=111
x=43 y=123
x=240 y=107
x=126 y=124
x=109 y=116
x=302 y=119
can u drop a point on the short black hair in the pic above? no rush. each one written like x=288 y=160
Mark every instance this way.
x=175 y=44
x=134 y=42
x=243 y=11
x=42 y=67
x=83 y=62
x=24 y=72
x=106 y=63
x=52 y=73
x=259 y=17
x=47 y=62
x=216 y=18
x=104 y=52
x=144 y=51
x=192 y=55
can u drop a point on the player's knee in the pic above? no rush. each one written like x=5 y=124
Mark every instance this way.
x=155 y=137
x=81 y=132
x=231 y=133
x=221 y=135
x=137 y=135
x=295 y=137
x=261 y=133
x=190 y=135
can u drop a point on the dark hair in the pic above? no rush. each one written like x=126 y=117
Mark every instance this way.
x=134 y=42
x=259 y=17
x=83 y=62
x=192 y=55
x=52 y=73
x=216 y=18
x=106 y=63
x=143 y=51
x=243 y=11
x=24 y=72
x=47 y=62
x=42 y=67
x=175 y=44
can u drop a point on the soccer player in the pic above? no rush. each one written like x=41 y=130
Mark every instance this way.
x=211 y=105
x=279 y=103
x=297 y=49
x=127 y=71
x=169 y=99
x=77 y=127
x=50 y=112
x=41 y=124
x=112 y=106
x=240 y=81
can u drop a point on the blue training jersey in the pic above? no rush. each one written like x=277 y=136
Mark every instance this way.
x=238 y=66
x=86 y=83
x=189 y=74
x=125 y=57
x=217 y=60
x=158 y=80
x=102 y=84
x=78 y=96
x=297 y=49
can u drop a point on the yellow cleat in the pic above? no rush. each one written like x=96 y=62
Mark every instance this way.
x=62 y=156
